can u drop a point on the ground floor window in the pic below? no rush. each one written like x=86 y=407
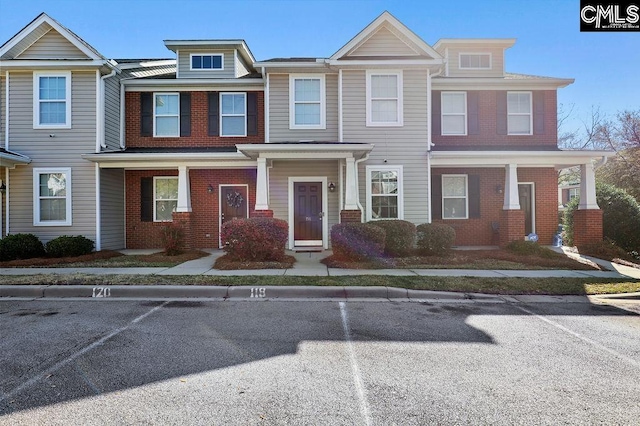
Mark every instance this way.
x=52 y=197
x=455 y=197
x=165 y=198
x=384 y=192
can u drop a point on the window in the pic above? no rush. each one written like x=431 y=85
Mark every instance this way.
x=455 y=201
x=307 y=102
x=475 y=61
x=454 y=113
x=165 y=198
x=384 y=193
x=233 y=114
x=574 y=193
x=384 y=98
x=207 y=61
x=52 y=197
x=51 y=100
x=166 y=114
x=519 y=117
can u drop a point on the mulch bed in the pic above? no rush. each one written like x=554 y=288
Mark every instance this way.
x=43 y=262
x=227 y=264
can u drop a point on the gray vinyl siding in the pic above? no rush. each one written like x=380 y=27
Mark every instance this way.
x=112 y=112
x=112 y=209
x=241 y=67
x=497 y=62
x=63 y=150
x=52 y=46
x=279 y=112
x=3 y=111
x=394 y=146
x=184 y=64
x=384 y=43
x=28 y=40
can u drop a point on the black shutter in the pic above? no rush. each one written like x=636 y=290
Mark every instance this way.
x=436 y=197
x=185 y=114
x=474 y=196
x=473 y=106
x=501 y=113
x=252 y=114
x=538 y=112
x=436 y=128
x=146 y=114
x=214 y=114
x=146 y=199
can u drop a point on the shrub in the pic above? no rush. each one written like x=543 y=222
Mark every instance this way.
x=69 y=246
x=172 y=237
x=357 y=241
x=255 y=239
x=435 y=238
x=529 y=248
x=20 y=246
x=400 y=236
x=607 y=250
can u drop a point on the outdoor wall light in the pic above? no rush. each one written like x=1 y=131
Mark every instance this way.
x=3 y=187
x=498 y=189
x=332 y=187
x=210 y=189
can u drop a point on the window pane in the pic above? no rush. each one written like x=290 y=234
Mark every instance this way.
x=53 y=113
x=166 y=189
x=164 y=209
x=384 y=207
x=518 y=103
x=453 y=186
x=167 y=104
x=453 y=124
x=453 y=103
x=53 y=185
x=454 y=208
x=233 y=104
x=167 y=126
x=53 y=88
x=216 y=62
x=307 y=113
x=384 y=111
x=519 y=124
x=307 y=90
x=196 y=62
x=384 y=86
x=206 y=62
x=233 y=126
x=384 y=182
x=53 y=209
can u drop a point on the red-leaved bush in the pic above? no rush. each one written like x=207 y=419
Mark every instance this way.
x=255 y=239
x=172 y=236
x=357 y=241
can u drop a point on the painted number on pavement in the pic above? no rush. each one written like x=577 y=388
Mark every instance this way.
x=258 y=292
x=101 y=292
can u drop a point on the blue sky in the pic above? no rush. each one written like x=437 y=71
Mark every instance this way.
x=606 y=66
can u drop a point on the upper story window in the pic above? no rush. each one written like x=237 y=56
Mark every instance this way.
x=384 y=192
x=208 y=61
x=51 y=100
x=384 y=98
x=455 y=197
x=454 y=113
x=519 y=116
x=475 y=61
x=166 y=114
x=307 y=102
x=233 y=114
x=165 y=198
x=52 y=197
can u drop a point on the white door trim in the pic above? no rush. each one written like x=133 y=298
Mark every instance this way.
x=533 y=204
x=325 y=218
x=220 y=186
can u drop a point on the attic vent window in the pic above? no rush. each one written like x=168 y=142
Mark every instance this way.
x=475 y=61
x=207 y=61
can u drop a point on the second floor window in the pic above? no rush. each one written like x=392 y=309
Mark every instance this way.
x=307 y=102
x=166 y=114
x=207 y=62
x=384 y=98
x=519 y=116
x=52 y=100
x=454 y=113
x=475 y=61
x=233 y=114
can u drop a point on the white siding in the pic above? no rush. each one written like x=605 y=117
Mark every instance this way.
x=52 y=46
x=112 y=112
x=241 y=67
x=383 y=43
x=184 y=64
x=112 y=208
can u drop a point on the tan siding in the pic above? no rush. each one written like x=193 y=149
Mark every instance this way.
x=184 y=64
x=112 y=208
x=383 y=43
x=28 y=40
x=63 y=150
x=497 y=62
x=112 y=113
x=405 y=146
x=279 y=112
x=52 y=46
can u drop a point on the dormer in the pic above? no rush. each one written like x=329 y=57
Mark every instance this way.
x=474 y=57
x=212 y=59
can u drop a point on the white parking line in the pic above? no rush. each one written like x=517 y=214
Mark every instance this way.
x=362 y=396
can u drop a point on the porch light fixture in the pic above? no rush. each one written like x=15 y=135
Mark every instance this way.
x=3 y=187
x=498 y=189
x=332 y=187
x=210 y=189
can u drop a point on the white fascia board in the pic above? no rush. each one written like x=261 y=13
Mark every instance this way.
x=460 y=83
x=386 y=63
x=164 y=156
x=556 y=159
x=173 y=165
x=44 y=63
x=10 y=160
x=320 y=64
x=299 y=151
x=193 y=84
x=146 y=64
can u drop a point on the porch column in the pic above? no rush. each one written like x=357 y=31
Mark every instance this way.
x=587 y=219
x=350 y=212
x=511 y=197
x=261 y=185
x=511 y=217
x=587 y=188
x=184 y=191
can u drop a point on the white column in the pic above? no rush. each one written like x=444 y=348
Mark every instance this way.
x=351 y=191
x=511 y=197
x=587 y=188
x=184 y=190
x=261 y=186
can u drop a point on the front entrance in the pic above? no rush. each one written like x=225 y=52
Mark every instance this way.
x=308 y=213
x=234 y=203
x=526 y=195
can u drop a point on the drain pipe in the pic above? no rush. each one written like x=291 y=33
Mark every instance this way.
x=365 y=158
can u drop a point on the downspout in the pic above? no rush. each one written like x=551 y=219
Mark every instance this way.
x=122 y=123
x=6 y=111
x=365 y=158
x=266 y=106
x=600 y=163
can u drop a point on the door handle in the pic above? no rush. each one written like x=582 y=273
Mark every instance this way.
x=320 y=215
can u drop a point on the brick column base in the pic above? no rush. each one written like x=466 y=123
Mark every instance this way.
x=587 y=227
x=183 y=219
x=262 y=213
x=350 y=216
x=511 y=226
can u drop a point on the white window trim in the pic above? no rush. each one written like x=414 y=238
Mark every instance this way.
x=222 y=115
x=36 y=197
x=442 y=114
x=530 y=114
x=292 y=102
x=155 y=135
x=400 y=115
x=466 y=196
x=36 y=99
x=383 y=168
x=475 y=54
x=206 y=54
x=155 y=179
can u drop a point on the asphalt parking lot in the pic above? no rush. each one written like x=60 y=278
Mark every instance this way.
x=317 y=362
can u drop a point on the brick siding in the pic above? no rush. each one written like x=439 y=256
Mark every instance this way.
x=587 y=227
x=350 y=216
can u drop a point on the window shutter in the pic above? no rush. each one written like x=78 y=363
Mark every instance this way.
x=146 y=114
x=473 y=106
x=538 y=112
x=501 y=102
x=185 y=114
x=214 y=113
x=252 y=114
x=146 y=199
x=436 y=113
x=436 y=197
x=474 y=196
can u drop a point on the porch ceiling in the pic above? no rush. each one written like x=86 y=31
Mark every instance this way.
x=10 y=159
x=556 y=159
x=306 y=150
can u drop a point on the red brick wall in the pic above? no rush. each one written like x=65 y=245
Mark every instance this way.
x=488 y=125
x=205 y=207
x=199 y=126
x=587 y=227
x=350 y=216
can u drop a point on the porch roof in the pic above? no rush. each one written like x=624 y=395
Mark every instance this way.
x=309 y=149
x=526 y=158
x=10 y=159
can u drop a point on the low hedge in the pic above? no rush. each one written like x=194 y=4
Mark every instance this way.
x=20 y=246
x=530 y=248
x=434 y=238
x=357 y=241
x=68 y=246
x=255 y=239
x=400 y=237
